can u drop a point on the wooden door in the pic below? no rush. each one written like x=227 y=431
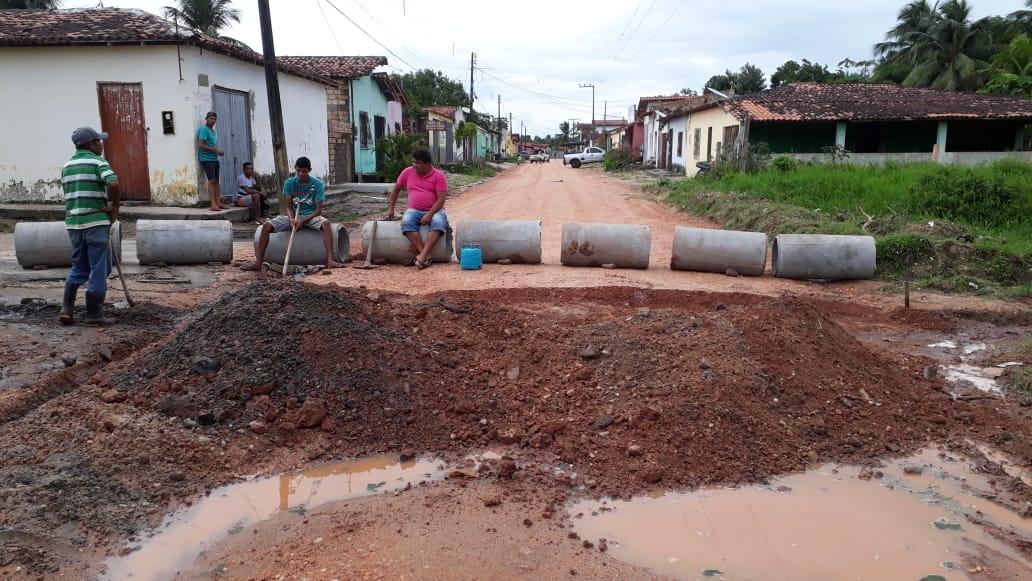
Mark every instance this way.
x=661 y=163
x=122 y=118
x=379 y=133
x=234 y=131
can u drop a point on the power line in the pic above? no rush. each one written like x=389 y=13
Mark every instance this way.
x=376 y=20
x=619 y=38
x=371 y=37
x=327 y=21
x=642 y=47
x=633 y=32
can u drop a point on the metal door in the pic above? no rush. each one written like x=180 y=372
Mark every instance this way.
x=379 y=133
x=121 y=116
x=234 y=130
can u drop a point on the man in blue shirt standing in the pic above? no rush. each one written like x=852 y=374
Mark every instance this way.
x=208 y=154
x=305 y=197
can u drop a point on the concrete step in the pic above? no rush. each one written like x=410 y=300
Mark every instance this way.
x=44 y=212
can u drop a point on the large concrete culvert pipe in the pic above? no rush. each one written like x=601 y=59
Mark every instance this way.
x=392 y=246
x=707 y=250
x=823 y=256
x=184 y=241
x=518 y=241
x=47 y=244
x=309 y=246
x=622 y=245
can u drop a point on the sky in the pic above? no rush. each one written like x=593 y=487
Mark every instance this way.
x=535 y=54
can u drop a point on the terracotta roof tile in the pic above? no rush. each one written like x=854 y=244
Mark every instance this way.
x=443 y=110
x=873 y=102
x=104 y=26
x=337 y=67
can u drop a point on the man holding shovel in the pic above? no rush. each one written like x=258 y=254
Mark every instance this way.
x=90 y=185
x=305 y=195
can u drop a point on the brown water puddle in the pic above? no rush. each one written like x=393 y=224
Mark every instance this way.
x=228 y=510
x=823 y=524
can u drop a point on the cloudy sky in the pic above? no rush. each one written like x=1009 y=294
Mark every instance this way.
x=535 y=53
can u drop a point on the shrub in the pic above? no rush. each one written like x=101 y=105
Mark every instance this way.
x=618 y=159
x=397 y=153
x=785 y=164
x=966 y=196
x=751 y=159
x=896 y=253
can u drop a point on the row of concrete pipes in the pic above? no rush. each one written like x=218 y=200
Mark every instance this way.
x=799 y=256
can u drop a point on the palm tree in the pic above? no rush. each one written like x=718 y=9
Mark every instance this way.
x=207 y=16
x=953 y=53
x=914 y=18
x=30 y=4
x=565 y=130
x=1012 y=69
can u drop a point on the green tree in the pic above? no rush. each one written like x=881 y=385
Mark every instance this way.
x=953 y=53
x=748 y=79
x=805 y=72
x=466 y=133
x=426 y=88
x=30 y=4
x=1011 y=70
x=397 y=152
x=565 y=130
x=207 y=16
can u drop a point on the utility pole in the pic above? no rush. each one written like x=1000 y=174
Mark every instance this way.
x=472 y=66
x=605 y=122
x=279 y=142
x=498 y=125
x=585 y=86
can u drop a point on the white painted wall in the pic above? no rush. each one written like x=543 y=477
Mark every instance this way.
x=679 y=125
x=715 y=119
x=395 y=114
x=56 y=91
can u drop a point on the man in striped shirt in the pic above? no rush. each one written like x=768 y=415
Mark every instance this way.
x=89 y=186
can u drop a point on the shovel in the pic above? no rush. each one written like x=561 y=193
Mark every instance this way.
x=290 y=244
x=368 y=264
x=118 y=266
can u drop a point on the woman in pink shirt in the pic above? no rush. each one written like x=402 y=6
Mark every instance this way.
x=427 y=191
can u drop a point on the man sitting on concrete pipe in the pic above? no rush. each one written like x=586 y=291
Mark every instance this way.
x=427 y=191
x=305 y=195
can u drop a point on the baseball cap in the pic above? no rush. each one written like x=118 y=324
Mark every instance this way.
x=84 y=135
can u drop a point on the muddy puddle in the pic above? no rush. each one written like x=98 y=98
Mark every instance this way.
x=824 y=524
x=186 y=533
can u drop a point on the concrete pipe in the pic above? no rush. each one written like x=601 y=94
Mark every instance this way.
x=309 y=248
x=47 y=244
x=706 y=250
x=392 y=246
x=519 y=242
x=821 y=256
x=622 y=245
x=184 y=241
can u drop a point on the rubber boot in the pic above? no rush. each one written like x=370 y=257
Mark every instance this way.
x=67 y=316
x=94 y=315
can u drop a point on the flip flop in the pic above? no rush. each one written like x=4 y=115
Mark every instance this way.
x=425 y=263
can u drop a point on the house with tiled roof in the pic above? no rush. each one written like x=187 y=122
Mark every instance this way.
x=148 y=82
x=363 y=108
x=874 y=123
x=652 y=113
x=440 y=123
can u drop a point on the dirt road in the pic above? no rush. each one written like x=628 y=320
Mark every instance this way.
x=557 y=194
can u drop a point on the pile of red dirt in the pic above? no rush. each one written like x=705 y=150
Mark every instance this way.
x=630 y=388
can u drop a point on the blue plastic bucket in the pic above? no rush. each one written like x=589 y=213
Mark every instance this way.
x=471 y=257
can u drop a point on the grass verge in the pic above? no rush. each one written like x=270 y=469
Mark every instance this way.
x=948 y=228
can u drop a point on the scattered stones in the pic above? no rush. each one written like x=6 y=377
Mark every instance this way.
x=204 y=365
x=112 y=422
x=652 y=475
x=894 y=448
x=527 y=522
x=731 y=272
x=513 y=374
x=493 y=500
x=510 y=435
x=407 y=454
x=206 y=419
x=465 y=407
x=589 y=353
x=68 y=360
x=373 y=296
x=609 y=266
x=602 y=545
x=504 y=261
x=931 y=372
x=572 y=535
x=783 y=489
x=464 y=472
x=263 y=389
x=112 y=396
x=634 y=450
x=604 y=422
x=177 y=477
x=506 y=468
x=587 y=544
x=721 y=307
x=258 y=426
x=913 y=470
x=105 y=353
x=704 y=364
x=311 y=413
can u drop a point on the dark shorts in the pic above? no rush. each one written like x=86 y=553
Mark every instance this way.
x=211 y=170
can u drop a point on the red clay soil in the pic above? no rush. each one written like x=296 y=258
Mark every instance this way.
x=598 y=391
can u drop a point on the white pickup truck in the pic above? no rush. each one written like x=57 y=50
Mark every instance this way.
x=589 y=155
x=540 y=157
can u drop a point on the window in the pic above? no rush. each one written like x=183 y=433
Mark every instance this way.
x=696 y=147
x=680 y=143
x=363 y=130
x=594 y=150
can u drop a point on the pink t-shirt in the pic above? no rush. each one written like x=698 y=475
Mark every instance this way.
x=422 y=191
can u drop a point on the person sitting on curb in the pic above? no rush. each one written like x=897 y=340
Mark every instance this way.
x=249 y=192
x=427 y=191
x=305 y=196
x=89 y=185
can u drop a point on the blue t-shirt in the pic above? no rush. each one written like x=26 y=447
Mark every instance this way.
x=210 y=138
x=304 y=197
